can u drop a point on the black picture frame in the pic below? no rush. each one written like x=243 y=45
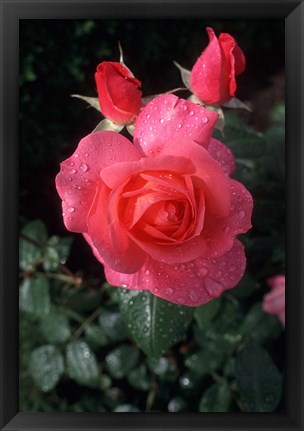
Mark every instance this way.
x=11 y=13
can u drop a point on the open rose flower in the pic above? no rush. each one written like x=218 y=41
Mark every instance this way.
x=118 y=94
x=161 y=214
x=274 y=301
x=212 y=78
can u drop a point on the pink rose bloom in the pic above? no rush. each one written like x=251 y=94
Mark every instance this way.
x=212 y=77
x=274 y=301
x=161 y=214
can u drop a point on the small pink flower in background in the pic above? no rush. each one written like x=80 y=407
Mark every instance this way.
x=274 y=301
x=118 y=94
x=212 y=77
x=161 y=214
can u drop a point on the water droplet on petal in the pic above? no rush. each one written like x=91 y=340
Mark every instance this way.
x=70 y=209
x=169 y=291
x=179 y=125
x=86 y=154
x=226 y=229
x=147 y=272
x=201 y=272
x=191 y=113
x=242 y=214
x=162 y=120
x=205 y=120
x=73 y=171
x=84 y=167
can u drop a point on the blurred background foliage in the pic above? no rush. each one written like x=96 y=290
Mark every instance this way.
x=80 y=347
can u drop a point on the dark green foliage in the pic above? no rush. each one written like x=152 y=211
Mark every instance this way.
x=258 y=379
x=216 y=399
x=86 y=346
x=155 y=324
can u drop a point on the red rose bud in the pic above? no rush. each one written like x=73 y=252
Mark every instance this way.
x=212 y=77
x=118 y=93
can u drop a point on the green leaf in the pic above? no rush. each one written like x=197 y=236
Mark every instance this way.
x=235 y=103
x=121 y=360
x=55 y=327
x=30 y=253
x=34 y=296
x=46 y=366
x=63 y=246
x=125 y=408
x=92 y=101
x=258 y=379
x=260 y=326
x=107 y=124
x=113 y=325
x=207 y=359
x=185 y=74
x=154 y=323
x=216 y=399
x=205 y=313
x=244 y=143
x=159 y=366
x=177 y=404
x=82 y=300
x=246 y=287
x=96 y=335
x=81 y=364
x=139 y=379
x=56 y=252
x=51 y=259
x=228 y=318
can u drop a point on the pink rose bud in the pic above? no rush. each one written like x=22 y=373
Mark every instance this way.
x=118 y=93
x=274 y=301
x=213 y=75
x=162 y=213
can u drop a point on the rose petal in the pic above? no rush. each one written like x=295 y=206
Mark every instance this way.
x=220 y=233
x=205 y=75
x=276 y=281
x=274 y=301
x=119 y=97
x=172 y=253
x=191 y=284
x=166 y=117
x=176 y=164
x=79 y=175
x=239 y=60
x=228 y=84
x=215 y=184
x=222 y=155
x=110 y=239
